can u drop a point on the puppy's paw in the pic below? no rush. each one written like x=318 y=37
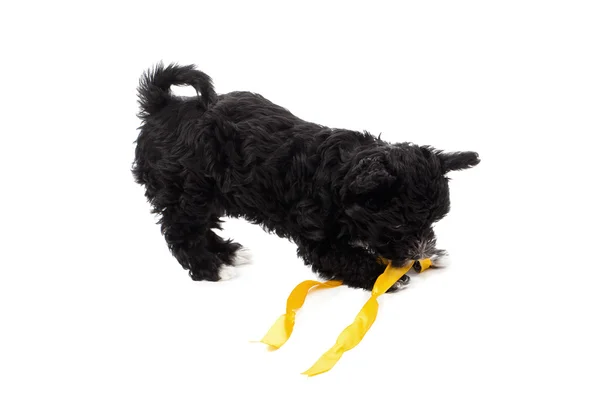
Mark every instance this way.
x=440 y=260
x=401 y=284
x=242 y=256
x=226 y=273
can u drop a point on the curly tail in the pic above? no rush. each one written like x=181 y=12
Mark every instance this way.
x=154 y=90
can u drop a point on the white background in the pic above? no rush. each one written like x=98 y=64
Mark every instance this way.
x=93 y=306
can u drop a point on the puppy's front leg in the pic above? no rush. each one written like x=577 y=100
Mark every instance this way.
x=355 y=267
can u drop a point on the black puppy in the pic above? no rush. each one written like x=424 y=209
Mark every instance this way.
x=343 y=197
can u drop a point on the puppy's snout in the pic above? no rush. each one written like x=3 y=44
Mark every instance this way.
x=421 y=249
x=423 y=246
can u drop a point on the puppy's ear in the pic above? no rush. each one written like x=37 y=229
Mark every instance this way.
x=458 y=160
x=369 y=174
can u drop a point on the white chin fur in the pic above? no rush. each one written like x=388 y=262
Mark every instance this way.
x=440 y=261
x=242 y=257
x=226 y=273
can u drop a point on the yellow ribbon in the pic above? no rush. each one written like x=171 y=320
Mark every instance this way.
x=424 y=263
x=281 y=331
x=354 y=333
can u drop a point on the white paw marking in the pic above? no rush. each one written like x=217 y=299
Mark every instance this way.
x=227 y=273
x=440 y=261
x=400 y=285
x=242 y=257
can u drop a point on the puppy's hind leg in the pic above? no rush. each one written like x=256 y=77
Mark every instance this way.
x=228 y=251
x=243 y=257
x=188 y=233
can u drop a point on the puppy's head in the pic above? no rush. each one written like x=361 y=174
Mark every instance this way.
x=393 y=194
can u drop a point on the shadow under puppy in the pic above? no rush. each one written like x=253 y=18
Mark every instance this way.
x=344 y=197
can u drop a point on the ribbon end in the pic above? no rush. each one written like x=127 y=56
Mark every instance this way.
x=309 y=373
x=278 y=334
x=325 y=363
x=270 y=346
x=314 y=370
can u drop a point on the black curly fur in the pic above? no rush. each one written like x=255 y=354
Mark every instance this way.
x=328 y=190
